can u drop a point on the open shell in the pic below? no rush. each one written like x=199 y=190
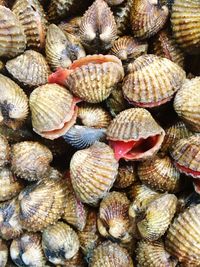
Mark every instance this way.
x=3 y=253
x=4 y=150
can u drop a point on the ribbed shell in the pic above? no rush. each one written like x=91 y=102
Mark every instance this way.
x=27 y=251
x=114 y=2
x=127 y=175
x=33 y=20
x=4 y=150
x=42 y=204
x=187 y=104
x=12 y=37
x=110 y=254
x=153 y=81
x=183 y=237
x=93 y=172
x=160 y=174
x=60 y=243
x=3 y=253
x=153 y=254
x=185 y=21
x=30 y=160
x=30 y=68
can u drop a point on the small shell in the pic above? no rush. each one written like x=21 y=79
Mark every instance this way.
x=127 y=175
x=110 y=254
x=4 y=150
x=183 y=237
x=186 y=154
x=60 y=243
x=160 y=174
x=3 y=253
x=32 y=17
x=161 y=77
x=30 y=160
x=135 y=135
x=113 y=221
x=76 y=261
x=98 y=29
x=27 y=250
x=147 y=18
x=42 y=204
x=187 y=104
x=71 y=26
x=12 y=37
x=153 y=254
x=13 y=103
x=29 y=68
x=93 y=172
x=114 y=2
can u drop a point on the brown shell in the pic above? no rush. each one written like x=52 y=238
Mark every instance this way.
x=27 y=250
x=71 y=26
x=142 y=195
x=187 y=104
x=12 y=37
x=30 y=160
x=183 y=237
x=4 y=150
x=147 y=18
x=76 y=261
x=153 y=81
x=33 y=20
x=93 y=172
x=127 y=175
x=30 y=68
x=3 y=253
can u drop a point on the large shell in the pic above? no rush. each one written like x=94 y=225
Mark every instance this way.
x=183 y=237
x=93 y=172
x=3 y=253
x=32 y=17
x=153 y=81
x=42 y=204
x=30 y=68
x=126 y=176
x=147 y=18
x=12 y=37
x=27 y=250
x=13 y=103
x=30 y=160
x=60 y=243
x=4 y=151
x=135 y=135
x=187 y=103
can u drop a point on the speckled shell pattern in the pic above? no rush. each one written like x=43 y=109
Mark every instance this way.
x=3 y=253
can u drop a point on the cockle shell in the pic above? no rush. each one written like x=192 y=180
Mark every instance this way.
x=153 y=81
x=93 y=171
x=33 y=20
x=30 y=68
x=135 y=135
x=53 y=110
x=4 y=151
x=60 y=243
x=183 y=237
x=27 y=250
x=126 y=176
x=187 y=103
x=12 y=37
x=3 y=253
x=13 y=103
x=30 y=160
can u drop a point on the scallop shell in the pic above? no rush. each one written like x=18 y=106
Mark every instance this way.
x=12 y=37
x=187 y=103
x=27 y=250
x=110 y=254
x=161 y=77
x=30 y=160
x=127 y=175
x=135 y=127
x=4 y=151
x=183 y=237
x=33 y=20
x=60 y=243
x=93 y=172
x=71 y=26
x=98 y=29
x=113 y=220
x=3 y=253
x=42 y=204
x=13 y=103
x=147 y=18
x=185 y=21
x=30 y=68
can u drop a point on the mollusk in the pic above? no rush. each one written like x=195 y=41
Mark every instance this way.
x=126 y=176
x=3 y=253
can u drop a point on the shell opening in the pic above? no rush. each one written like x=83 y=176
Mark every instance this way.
x=188 y=171
x=150 y=105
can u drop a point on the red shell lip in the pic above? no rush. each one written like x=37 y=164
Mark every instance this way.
x=149 y=105
x=187 y=171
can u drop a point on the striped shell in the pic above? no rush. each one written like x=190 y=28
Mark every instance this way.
x=93 y=172
x=153 y=81
x=4 y=150
x=3 y=253
x=126 y=176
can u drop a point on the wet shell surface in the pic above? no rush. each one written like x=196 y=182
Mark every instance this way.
x=93 y=172
x=153 y=81
x=4 y=151
x=126 y=176
x=134 y=135
x=30 y=160
x=60 y=243
x=30 y=68
x=187 y=104
x=3 y=253
x=27 y=250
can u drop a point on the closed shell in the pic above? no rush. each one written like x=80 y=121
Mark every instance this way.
x=127 y=175
x=4 y=151
x=3 y=253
